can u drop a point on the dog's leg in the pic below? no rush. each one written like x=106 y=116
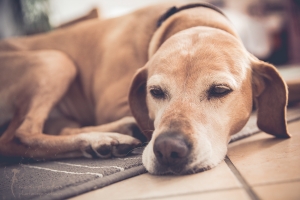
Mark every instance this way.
x=126 y=125
x=34 y=81
x=46 y=77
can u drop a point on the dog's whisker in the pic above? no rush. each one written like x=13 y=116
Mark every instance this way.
x=147 y=130
x=129 y=152
x=133 y=150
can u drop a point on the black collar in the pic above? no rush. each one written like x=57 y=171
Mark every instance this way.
x=174 y=10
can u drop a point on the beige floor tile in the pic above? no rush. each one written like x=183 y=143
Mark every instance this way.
x=236 y=194
x=147 y=186
x=263 y=159
x=290 y=191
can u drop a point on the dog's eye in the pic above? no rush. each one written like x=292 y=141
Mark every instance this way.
x=219 y=91
x=157 y=93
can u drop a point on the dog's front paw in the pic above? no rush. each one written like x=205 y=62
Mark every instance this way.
x=105 y=145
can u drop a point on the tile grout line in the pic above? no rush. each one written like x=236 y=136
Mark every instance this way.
x=277 y=182
x=241 y=179
x=183 y=194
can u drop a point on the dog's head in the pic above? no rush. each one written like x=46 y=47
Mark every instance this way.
x=197 y=90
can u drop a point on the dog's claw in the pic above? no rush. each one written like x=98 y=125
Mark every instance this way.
x=88 y=152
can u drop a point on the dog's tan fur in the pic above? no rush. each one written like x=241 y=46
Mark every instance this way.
x=73 y=83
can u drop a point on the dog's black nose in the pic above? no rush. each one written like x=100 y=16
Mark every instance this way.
x=171 y=149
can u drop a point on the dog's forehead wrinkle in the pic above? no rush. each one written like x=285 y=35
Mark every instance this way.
x=200 y=51
x=195 y=37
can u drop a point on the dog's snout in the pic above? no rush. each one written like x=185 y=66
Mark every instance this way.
x=171 y=149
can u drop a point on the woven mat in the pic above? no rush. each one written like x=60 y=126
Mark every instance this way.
x=24 y=179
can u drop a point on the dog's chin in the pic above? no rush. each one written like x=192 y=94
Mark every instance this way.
x=189 y=168
x=174 y=170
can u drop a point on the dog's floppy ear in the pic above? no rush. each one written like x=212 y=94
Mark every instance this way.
x=137 y=102
x=270 y=96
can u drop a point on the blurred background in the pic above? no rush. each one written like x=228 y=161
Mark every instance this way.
x=270 y=29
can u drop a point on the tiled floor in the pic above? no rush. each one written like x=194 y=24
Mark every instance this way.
x=259 y=167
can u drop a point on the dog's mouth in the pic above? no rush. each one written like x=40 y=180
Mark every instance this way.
x=170 y=171
x=178 y=170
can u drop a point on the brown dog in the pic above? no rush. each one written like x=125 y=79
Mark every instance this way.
x=193 y=89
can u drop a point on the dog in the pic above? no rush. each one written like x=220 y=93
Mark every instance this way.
x=180 y=75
